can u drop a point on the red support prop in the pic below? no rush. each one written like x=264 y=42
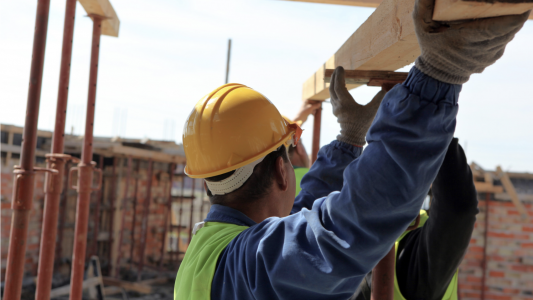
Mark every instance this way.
x=111 y=219
x=485 y=243
x=171 y=169
x=21 y=201
x=56 y=161
x=383 y=278
x=134 y=208
x=85 y=172
x=123 y=221
x=62 y=215
x=316 y=134
x=191 y=223
x=144 y=224
x=180 y=218
x=96 y=219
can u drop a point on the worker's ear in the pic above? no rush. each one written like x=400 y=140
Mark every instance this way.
x=281 y=175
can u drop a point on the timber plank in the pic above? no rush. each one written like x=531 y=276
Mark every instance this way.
x=451 y=10
x=110 y=25
x=131 y=286
x=386 y=41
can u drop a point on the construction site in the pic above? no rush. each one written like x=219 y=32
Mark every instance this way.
x=88 y=216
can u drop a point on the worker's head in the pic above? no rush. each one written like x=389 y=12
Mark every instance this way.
x=236 y=140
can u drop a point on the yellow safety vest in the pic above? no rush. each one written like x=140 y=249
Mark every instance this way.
x=451 y=292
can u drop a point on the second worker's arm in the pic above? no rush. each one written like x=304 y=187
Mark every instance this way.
x=429 y=256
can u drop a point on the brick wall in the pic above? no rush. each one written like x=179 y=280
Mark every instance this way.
x=509 y=272
x=107 y=244
x=34 y=231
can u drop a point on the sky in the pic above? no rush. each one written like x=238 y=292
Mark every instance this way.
x=169 y=54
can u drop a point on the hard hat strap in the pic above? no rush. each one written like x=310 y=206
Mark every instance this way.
x=235 y=181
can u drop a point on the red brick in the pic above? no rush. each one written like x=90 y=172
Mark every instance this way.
x=497 y=297
x=496 y=274
x=473 y=279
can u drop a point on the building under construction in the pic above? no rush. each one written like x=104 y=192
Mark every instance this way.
x=140 y=218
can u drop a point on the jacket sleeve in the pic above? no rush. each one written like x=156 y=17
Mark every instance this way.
x=429 y=256
x=325 y=251
x=325 y=175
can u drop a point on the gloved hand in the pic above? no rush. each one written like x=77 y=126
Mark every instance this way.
x=452 y=52
x=355 y=119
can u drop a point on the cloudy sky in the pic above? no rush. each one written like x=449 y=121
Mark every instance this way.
x=171 y=53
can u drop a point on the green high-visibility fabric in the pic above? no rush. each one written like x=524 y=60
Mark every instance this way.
x=451 y=291
x=197 y=269
x=299 y=173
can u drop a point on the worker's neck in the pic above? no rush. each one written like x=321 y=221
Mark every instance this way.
x=261 y=209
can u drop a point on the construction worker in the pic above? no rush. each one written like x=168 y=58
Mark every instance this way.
x=428 y=257
x=298 y=155
x=250 y=246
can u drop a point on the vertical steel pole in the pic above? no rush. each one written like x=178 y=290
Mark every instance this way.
x=383 y=278
x=227 y=61
x=55 y=161
x=111 y=224
x=62 y=215
x=96 y=219
x=180 y=218
x=192 y=211
x=316 y=134
x=123 y=220
x=85 y=173
x=144 y=224
x=485 y=243
x=134 y=207
x=171 y=169
x=24 y=177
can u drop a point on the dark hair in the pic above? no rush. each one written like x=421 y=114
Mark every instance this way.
x=256 y=187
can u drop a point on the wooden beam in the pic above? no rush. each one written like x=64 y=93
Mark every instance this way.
x=131 y=286
x=485 y=187
x=364 y=3
x=510 y=190
x=386 y=41
x=65 y=290
x=367 y=77
x=451 y=10
x=111 y=24
x=146 y=154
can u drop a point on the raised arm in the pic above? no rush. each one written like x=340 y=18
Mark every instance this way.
x=326 y=174
x=429 y=256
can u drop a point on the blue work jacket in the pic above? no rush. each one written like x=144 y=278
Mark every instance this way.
x=352 y=206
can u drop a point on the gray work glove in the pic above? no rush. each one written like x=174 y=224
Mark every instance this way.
x=452 y=52
x=355 y=119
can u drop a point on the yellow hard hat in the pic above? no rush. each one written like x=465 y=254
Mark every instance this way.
x=232 y=127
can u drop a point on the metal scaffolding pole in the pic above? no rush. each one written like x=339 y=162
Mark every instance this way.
x=316 y=134
x=96 y=219
x=56 y=160
x=175 y=254
x=111 y=220
x=123 y=220
x=192 y=211
x=144 y=224
x=85 y=172
x=171 y=169
x=23 y=184
x=134 y=208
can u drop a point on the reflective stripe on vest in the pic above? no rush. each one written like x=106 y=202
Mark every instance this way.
x=451 y=291
x=197 y=269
